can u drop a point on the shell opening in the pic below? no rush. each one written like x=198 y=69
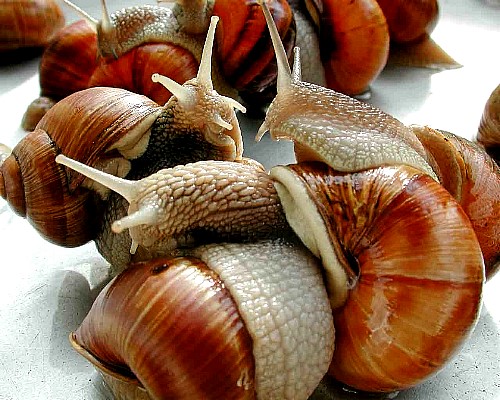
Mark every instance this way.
x=306 y=221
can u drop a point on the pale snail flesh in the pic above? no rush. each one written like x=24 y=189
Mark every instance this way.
x=456 y=241
x=468 y=275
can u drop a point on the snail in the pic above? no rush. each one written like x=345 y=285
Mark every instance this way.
x=346 y=50
x=28 y=23
x=126 y=47
x=372 y=170
x=124 y=131
x=488 y=134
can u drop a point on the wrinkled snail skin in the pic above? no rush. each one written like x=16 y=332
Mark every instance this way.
x=122 y=133
x=207 y=328
x=488 y=134
x=202 y=202
x=414 y=285
x=472 y=177
x=351 y=213
x=129 y=46
x=28 y=23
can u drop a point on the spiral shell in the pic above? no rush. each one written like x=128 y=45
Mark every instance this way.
x=229 y=324
x=96 y=122
x=411 y=265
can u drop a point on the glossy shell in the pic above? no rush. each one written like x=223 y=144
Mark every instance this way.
x=354 y=43
x=28 y=23
x=414 y=267
x=473 y=179
x=244 y=48
x=95 y=120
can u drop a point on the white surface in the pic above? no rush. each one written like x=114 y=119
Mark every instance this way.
x=46 y=290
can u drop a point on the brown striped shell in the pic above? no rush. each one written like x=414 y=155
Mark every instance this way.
x=413 y=269
x=28 y=23
x=88 y=125
x=473 y=178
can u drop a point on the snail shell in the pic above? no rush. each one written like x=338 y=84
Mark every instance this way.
x=122 y=132
x=488 y=134
x=399 y=252
x=473 y=178
x=244 y=50
x=350 y=210
x=28 y=23
x=240 y=321
x=354 y=42
x=38 y=189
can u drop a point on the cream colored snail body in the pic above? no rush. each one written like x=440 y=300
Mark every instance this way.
x=373 y=227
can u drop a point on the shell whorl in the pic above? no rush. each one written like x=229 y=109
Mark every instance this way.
x=389 y=239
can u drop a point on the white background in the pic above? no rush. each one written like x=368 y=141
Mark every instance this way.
x=45 y=291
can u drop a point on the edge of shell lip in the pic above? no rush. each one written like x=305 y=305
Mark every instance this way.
x=119 y=372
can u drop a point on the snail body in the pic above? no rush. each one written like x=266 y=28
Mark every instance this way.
x=208 y=213
x=123 y=50
x=28 y=23
x=112 y=128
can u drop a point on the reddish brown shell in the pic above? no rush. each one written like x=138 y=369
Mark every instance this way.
x=170 y=326
x=473 y=179
x=85 y=126
x=244 y=48
x=354 y=43
x=409 y=20
x=28 y=23
x=71 y=63
x=488 y=134
x=416 y=268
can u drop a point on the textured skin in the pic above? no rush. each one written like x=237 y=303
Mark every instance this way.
x=144 y=24
x=345 y=133
x=203 y=202
x=282 y=299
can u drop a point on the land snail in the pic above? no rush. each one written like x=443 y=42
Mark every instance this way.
x=379 y=268
x=347 y=47
x=488 y=134
x=28 y=24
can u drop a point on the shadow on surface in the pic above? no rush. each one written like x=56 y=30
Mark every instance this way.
x=74 y=300
x=463 y=378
